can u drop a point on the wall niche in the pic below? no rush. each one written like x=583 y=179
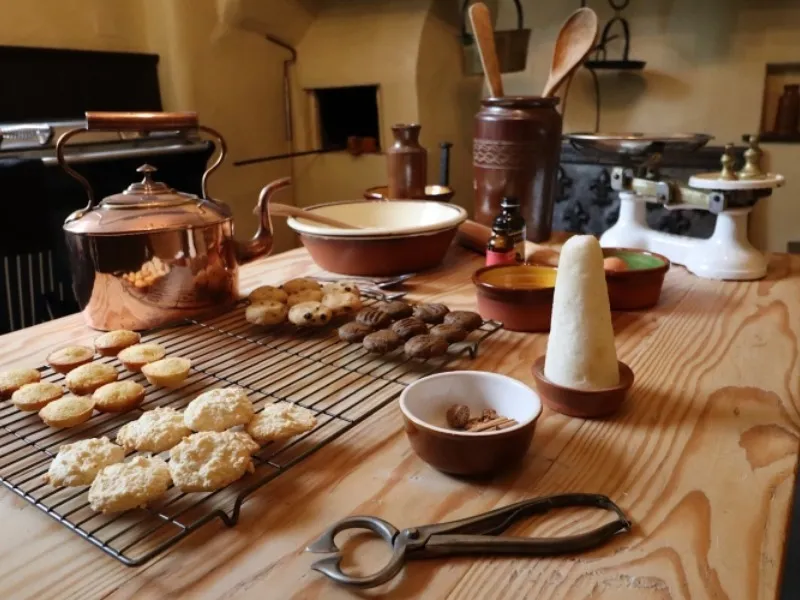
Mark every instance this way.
x=780 y=110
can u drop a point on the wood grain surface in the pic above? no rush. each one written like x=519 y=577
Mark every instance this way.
x=702 y=457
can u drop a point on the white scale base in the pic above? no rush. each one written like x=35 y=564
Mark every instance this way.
x=727 y=254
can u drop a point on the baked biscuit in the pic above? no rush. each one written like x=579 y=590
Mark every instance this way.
x=464 y=319
x=68 y=411
x=397 y=309
x=85 y=379
x=66 y=359
x=382 y=342
x=129 y=485
x=425 y=346
x=11 y=381
x=114 y=342
x=218 y=410
x=449 y=333
x=80 y=462
x=35 y=396
x=168 y=372
x=310 y=314
x=155 y=431
x=431 y=313
x=342 y=304
x=353 y=332
x=135 y=357
x=374 y=317
x=118 y=396
x=409 y=327
x=267 y=312
x=298 y=285
x=304 y=296
x=267 y=293
x=339 y=287
x=207 y=461
x=280 y=421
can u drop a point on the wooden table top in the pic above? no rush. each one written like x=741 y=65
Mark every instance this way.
x=702 y=457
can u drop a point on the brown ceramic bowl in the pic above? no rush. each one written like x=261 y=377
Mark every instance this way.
x=425 y=402
x=440 y=193
x=640 y=285
x=391 y=238
x=585 y=404
x=519 y=296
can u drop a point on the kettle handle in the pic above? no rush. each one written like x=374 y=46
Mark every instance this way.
x=136 y=121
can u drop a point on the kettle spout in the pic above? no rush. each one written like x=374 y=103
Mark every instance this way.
x=261 y=243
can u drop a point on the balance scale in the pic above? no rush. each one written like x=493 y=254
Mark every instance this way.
x=730 y=195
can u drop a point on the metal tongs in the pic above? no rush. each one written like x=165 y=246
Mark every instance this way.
x=473 y=535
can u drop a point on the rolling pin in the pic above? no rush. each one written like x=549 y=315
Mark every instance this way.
x=474 y=236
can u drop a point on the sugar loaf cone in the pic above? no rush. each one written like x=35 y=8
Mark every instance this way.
x=580 y=349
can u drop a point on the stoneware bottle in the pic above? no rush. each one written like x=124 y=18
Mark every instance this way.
x=407 y=163
x=787 y=120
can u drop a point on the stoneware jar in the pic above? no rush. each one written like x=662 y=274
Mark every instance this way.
x=516 y=151
x=407 y=163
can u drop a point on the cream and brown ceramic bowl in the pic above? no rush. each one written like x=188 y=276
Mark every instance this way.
x=392 y=238
x=424 y=405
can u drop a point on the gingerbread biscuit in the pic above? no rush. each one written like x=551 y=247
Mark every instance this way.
x=310 y=314
x=339 y=287
x=79 y=463
x=135 y=357
x=11 y=381
x=425 y=346
x=397 y=309
x=129 y=485
x=85 y=379
x=35 y=396
x=207 y=461
x=464 y=319
x=280 y=421
x=354 y=332
x=71 y=357
x=218 y=410
x=342 y=304
x=431 y=313
x=267 y=293
x=168 y=372
x=409 y=327
x=374 y=317
x=382 y=342
x=304 y=296
x=266 y=313
x=449 y=333
x=155 y=431
x=114 y=342
x=68 y=411
x=118 y=396
x=300 y=284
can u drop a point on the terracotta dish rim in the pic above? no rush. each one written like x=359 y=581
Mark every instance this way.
x=633 y=272
x=476 y=279
x=625 y=382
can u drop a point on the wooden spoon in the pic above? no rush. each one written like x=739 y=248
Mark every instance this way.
x=575 y=40
x=484 y=36
x=286 y=210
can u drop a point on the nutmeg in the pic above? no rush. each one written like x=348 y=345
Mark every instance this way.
x=457 y=416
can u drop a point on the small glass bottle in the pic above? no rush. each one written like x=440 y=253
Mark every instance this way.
x=516 y=226
x=500 y=248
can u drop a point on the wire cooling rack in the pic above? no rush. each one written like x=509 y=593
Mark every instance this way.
x=341 y=383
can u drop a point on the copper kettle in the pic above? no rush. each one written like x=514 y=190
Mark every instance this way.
x=151 y=255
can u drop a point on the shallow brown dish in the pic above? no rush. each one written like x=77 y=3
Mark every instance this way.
x=440 y=193
x=425 y=402
x=640 y=286
x=519 y=296
x=392 y=238
x=585 y=404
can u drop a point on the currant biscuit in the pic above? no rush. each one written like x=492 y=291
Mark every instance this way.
x=304 y=296
x=342 y=304
x=266 y=313
x=339 y=287
x=267 y=293
x=298 y=285
x=310 y=314
x=79 y=463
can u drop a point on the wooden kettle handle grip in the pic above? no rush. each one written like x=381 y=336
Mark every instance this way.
x=141 y=121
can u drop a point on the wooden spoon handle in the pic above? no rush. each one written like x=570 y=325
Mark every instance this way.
x=286 y=210
x=484 y=36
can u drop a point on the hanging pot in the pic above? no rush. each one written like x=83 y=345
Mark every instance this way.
x=512 y=45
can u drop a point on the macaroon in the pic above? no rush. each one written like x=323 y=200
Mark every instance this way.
x=580 y=350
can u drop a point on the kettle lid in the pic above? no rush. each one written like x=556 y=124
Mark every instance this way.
x=147 y=205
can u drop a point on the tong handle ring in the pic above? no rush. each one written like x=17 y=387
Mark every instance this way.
x=331 y=566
